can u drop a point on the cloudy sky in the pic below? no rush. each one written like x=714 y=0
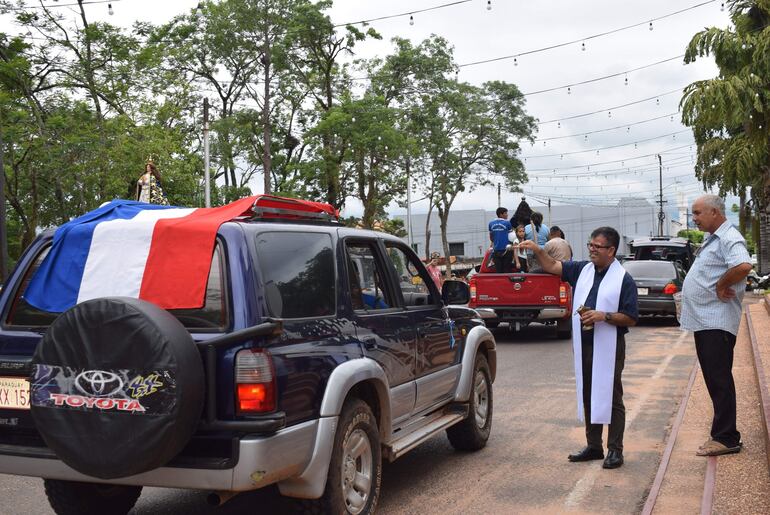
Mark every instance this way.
x=564 y=164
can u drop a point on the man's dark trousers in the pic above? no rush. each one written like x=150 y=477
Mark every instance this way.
x=618 y=418
x=715 y=355
x=503 y=260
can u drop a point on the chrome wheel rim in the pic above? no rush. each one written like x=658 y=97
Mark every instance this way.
x=481 y=396
x=357 y=471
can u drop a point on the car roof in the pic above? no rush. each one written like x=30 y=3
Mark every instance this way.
x=672 y=241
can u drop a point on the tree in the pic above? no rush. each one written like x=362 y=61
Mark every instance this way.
x=483 y=127
x=728 y=114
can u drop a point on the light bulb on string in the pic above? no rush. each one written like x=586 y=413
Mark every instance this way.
x=544 y=143
x=489 y=5
x=657 y=101
x=597 y=152
x=569 y=90
x=561 y=157
x=515 y=61
x=583 y=46
x=585 y=138
x=635 y=145
x=626 y=80
x=722 y=7
x=650 y=25
x=558 y=125
x=609 y=114
x=628 y=129
x=411 y=19
x=672 y=116
x=674 y=135
x=110 y=11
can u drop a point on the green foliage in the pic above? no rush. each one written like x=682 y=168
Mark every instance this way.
x=694 y=235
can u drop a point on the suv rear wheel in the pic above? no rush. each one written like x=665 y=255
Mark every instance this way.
x=72 y=498
x=473 y=432
x=355 y=469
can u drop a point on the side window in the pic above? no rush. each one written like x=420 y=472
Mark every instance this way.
x=366 y=278
x=213 y=314
x=297 y=271
x=24 y=314
x=412 y=277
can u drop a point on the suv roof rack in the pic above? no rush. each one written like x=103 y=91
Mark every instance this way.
x=269 y=207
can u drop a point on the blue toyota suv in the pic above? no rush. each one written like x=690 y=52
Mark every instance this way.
x=320 y=350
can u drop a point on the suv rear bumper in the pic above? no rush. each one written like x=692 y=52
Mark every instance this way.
x=262 y=460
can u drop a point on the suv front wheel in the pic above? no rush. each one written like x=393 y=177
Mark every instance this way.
x=472 y=433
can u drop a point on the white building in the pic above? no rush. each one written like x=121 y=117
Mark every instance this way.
x=469 y=237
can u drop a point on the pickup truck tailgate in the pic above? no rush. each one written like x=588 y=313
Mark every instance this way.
x=518 y=290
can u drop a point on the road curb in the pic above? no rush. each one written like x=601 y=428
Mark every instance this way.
x=652 y=497
x=761 y=377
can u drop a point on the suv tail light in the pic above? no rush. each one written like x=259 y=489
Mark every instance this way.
x=670 y=289
x=255 y=382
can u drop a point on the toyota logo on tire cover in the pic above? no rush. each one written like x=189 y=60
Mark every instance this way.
x=98 y=383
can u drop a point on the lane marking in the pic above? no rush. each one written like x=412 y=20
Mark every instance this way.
x=585 y=483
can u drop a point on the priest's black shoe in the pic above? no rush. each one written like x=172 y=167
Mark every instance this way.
x=614 y=460
x=587 y=454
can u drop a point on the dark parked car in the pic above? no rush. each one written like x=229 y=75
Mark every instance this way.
x=656 y=283
x=664 y=248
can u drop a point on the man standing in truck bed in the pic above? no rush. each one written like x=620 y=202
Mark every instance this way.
x=607 y=298
x=498 y=235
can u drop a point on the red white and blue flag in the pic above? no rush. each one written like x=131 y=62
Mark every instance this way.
x=161 y=254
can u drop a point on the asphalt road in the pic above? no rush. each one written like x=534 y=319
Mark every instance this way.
x=524 y=468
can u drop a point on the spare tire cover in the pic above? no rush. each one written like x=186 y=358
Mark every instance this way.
x=117 y=387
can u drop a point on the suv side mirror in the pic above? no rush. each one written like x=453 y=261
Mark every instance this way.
x=455 y=292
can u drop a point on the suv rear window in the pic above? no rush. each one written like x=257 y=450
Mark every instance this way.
x=650 y=269
x=211 y=315
x=298 y=275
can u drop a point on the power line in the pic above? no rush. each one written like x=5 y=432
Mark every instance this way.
x=593 y=36
x=569 y=86
x=48 y=6
x=625 y=125
x=678 y=90
x=401 y=15
x=607 y=162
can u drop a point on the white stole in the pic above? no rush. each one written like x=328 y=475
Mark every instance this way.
x=605 y=341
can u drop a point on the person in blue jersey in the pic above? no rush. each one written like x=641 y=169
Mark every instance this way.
x=498 y=235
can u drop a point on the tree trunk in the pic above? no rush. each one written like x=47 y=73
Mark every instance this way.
x=443 y=216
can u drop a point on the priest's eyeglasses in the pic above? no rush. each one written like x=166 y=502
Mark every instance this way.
x=592 y=246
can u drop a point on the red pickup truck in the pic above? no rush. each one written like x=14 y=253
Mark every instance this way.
x=521 y=298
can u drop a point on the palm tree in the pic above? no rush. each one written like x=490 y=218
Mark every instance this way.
x=729 y=115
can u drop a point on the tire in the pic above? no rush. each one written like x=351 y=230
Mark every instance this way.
x=117 y=387
x=356 y=453
x=564 y=329
x=472 y=433
x=71 y=498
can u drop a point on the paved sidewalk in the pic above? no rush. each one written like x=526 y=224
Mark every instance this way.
x=741 y=483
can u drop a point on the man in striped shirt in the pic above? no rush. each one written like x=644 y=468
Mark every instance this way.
x=711 y=307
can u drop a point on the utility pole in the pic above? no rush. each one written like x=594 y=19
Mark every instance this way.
x=499 y=201
x=3 y=227
x=549 y=211
x=206 y=159
x=408 y=206
x=661 y=214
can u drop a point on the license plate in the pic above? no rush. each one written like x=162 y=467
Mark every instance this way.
x=14 y=393
x=642 y=291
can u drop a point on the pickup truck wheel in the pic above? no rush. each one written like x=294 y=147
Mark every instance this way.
x=473 y=432
x=116 y=387
x=355 y=469
x=71 y=498
x=564 y=329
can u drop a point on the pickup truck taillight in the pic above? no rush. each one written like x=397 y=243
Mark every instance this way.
x=562 y=294
x=472 y=302
x=670 y=289
x=255 y=382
